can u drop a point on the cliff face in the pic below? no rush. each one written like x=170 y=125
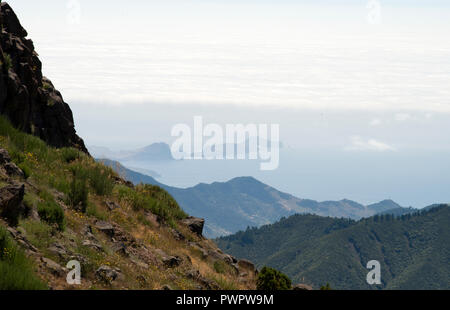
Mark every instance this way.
x=28 y=99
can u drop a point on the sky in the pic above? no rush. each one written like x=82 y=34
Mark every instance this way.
x=344 y=78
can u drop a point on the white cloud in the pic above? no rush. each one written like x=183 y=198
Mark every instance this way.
x=360 y=144
x=234 y=61
x=403 y=117
x=375 y=122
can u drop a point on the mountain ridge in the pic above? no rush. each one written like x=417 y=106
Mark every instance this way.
x=413 y=249
x=245 y=201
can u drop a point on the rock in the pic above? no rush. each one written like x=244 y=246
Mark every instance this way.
x=11 y=206
x=219 y=255
x=177 y=235
x=112 y=205
x=246 y=265
x=4 y=157
x=166 y=288
x=105 y=227
x=10 y=21
x=192 y=274
x=87 y=231
x=93 y=245
x=20 y=238
x=195 y=224
x=28 y=99
x=54 y=267
x=302 y=287
x=12 y=170
x=208 y=284
x=139 y=263
x=203 y=252
x=121 y=248
x=153 y=219
x=172 y=261
x=107 y=274
x=58 y=249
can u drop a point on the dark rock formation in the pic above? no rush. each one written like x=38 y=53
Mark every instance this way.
x=195 y=224
x=27 y=99
x=11 y=206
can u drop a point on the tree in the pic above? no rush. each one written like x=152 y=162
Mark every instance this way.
x=270 y=279
x=326 y=287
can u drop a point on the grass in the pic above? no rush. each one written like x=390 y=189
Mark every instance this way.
x=8 y=61
x=68 y=177
x=16 y=271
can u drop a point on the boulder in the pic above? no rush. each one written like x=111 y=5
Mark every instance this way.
x=58 y=249
x=107 y=274
x=4 y=157
x=12 y=170
x=246 y=265
x=11 y=206
x=195 y=224
x=171 y=261
x=93 y=245
x=105 y=227
x=120 y=248
x=54 y=267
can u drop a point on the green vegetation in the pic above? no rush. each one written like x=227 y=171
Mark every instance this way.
x=8 y=61
x=26 y=170
x=270 y=279
x=78 y=192
x=413 y=249
x=326 y=287
x=79 y=177
x=151 y=198
x=52 y=214
x=16 y=271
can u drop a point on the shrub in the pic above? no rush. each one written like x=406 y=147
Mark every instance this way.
x=270 y=279
x=326 y=287
x=78 y=191
x=100 y=181
x=16 y=272
x=52 y=213
x=69 y=154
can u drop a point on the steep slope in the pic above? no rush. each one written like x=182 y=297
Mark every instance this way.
x=414 y=250
x=57 y=205
x=28 y=99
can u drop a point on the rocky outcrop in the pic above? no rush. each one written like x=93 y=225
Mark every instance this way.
x=27 y=99
x=11 y=206
x=107 y=274
x=195 y=224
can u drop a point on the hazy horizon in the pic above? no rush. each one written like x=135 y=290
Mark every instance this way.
x=363 y=95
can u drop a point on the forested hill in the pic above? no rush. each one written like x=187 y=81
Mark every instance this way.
x=413 y=249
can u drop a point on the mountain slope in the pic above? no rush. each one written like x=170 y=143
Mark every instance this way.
x=414 y=250
x=241 y=202
x=154 y=152
x=58 y=205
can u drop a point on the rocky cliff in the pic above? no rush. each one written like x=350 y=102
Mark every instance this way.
x=27 y=98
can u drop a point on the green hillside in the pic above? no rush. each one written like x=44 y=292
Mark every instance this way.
x=414 y=249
